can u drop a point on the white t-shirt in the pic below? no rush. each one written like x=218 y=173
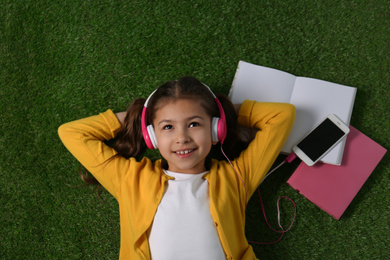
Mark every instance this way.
x=183 y=227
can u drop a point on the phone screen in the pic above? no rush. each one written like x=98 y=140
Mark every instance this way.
x=320 y=139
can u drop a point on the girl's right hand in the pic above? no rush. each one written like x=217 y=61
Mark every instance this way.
x=121 y=116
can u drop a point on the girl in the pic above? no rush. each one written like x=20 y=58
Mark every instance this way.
x=188 y=206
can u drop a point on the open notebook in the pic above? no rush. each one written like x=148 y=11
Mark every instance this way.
x=314 y=99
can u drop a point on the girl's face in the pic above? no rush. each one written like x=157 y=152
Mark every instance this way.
x=183 y=132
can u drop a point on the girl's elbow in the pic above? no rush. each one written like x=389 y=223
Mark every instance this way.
x=61 y=130
x=64 y=132
x=291 y=111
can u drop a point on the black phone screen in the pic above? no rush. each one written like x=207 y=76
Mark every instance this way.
x=320 y=139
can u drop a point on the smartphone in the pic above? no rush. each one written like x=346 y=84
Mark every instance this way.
x=321 y=140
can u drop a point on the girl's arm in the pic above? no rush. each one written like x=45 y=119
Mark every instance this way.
x=84 y=138
x=274 y=121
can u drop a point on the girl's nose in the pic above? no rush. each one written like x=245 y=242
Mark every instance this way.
x=182 y=137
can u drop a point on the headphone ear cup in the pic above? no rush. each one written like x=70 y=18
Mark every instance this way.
x=222 y=129
x=214 y=129
x=145 y=131
x=152 y=137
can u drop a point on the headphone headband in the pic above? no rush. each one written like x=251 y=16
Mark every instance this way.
x=147 y=100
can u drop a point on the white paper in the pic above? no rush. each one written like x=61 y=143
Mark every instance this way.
x=261 y=84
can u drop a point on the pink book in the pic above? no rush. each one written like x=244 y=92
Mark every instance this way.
x=331 y=187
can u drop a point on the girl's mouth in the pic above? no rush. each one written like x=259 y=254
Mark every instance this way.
x=182 y=152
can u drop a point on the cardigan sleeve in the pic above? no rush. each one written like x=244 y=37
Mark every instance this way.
x=274 y=121
x=84 y=138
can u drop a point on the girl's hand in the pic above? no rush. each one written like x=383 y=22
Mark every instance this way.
x=121 y=116
x=237 y=107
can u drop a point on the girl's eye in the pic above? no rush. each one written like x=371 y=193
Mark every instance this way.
x=167 y=127
x=194 y=124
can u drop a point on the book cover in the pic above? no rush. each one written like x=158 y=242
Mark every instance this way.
x=314 y=99
x=331 y=187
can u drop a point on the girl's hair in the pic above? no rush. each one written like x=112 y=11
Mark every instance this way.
x=129 y=141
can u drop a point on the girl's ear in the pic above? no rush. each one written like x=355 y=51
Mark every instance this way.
x=214 y=143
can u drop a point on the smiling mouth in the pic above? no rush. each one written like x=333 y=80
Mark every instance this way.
x=185 y=151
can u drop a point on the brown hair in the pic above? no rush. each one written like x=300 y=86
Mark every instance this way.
x=130 y=143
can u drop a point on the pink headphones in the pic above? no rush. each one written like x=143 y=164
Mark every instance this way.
x=218 y=124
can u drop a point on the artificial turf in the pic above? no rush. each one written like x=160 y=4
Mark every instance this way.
x=64 y=60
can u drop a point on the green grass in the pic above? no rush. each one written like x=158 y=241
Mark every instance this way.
x=63 y=60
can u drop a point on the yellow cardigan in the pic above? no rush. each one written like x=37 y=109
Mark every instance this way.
x=138 y=186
